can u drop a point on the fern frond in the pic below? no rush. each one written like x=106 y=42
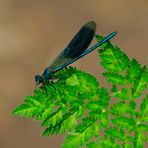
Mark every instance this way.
x=75 y=104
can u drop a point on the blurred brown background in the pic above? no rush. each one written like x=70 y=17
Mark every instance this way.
x=33 y=32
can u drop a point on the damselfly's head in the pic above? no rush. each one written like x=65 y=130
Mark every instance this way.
x=38 y=79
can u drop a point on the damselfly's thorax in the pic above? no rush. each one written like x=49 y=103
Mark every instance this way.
x=48 y=73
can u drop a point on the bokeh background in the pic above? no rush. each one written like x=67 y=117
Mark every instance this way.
x=33 y=32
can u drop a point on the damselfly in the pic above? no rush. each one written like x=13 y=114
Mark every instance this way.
x=76 y=49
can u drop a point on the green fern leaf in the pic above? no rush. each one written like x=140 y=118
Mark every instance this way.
x=139 y=140
x=142 y=127
x=140 y=83
x=68 y=124
x=94 y=145
x=104 y=97
x=78 y=139
x=127 y=145
x=122 y=108
x=104 y=119
x=107 y=143
x=123 y=94
x=144 y=109
x=51 y=130
x=114 y=88
x=114 y=78
x=45 y=113
x=26 y=110
x=115 y=133
x=124 y=122
x=113 y=59
x=52 y=118
x=80 y=112
x=134 y=70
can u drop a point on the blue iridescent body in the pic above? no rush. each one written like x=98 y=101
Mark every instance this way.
x=74 y=51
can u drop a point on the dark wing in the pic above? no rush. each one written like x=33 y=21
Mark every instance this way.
x=77 y=46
